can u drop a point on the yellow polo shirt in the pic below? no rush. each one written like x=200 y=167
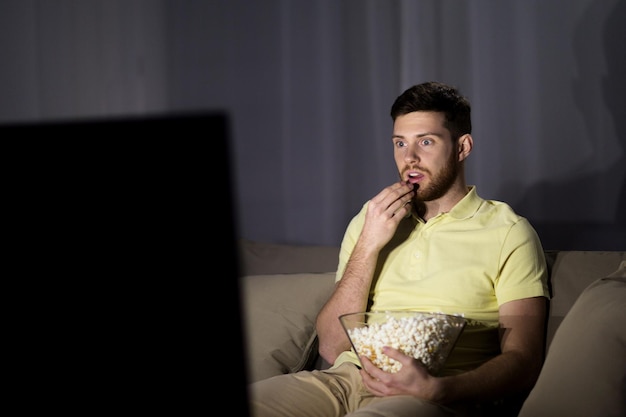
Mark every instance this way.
x=468 y=261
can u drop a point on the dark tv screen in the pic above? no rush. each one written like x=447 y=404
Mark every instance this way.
x=138 y=213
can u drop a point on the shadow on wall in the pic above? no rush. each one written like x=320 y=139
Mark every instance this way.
x=574 y=198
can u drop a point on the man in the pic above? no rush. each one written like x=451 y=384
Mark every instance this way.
x=428 y=243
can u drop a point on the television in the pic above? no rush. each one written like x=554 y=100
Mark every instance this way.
x=132 y=221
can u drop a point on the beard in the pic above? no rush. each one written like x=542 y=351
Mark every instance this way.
x=441 y=182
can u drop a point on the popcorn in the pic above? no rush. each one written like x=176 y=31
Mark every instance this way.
x=423 y=336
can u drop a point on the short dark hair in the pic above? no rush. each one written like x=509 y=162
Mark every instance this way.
x=437 y=97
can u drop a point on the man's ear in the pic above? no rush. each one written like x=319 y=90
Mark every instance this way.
x=465 y=145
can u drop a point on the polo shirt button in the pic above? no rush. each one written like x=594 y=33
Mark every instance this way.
x=417 y=255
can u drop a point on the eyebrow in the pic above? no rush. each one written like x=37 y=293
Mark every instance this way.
x=420 y=135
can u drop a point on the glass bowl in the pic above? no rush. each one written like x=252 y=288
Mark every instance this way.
x=428 y=337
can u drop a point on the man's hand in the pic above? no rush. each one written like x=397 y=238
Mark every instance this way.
x=384 y=213
x=412 y=379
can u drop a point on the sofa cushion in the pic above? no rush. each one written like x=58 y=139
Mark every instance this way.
x=570 y=273
x=584 y=373
x=260 y=258
x=279 y=313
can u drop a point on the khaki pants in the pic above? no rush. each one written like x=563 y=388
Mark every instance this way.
x=336 y=392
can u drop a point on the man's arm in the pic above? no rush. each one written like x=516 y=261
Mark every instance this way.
x=384 y=213
x=522 y=334
x=350 y=295
x=516 y=369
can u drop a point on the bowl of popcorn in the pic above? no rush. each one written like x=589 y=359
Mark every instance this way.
x=428 y=337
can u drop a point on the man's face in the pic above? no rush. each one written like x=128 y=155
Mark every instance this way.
x=425 y=153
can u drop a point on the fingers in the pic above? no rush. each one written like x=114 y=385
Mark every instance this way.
x=394 y=200
x=371 y=374
x=397 y=355
x=370 y=368
x=407 y=361
x=384 y=213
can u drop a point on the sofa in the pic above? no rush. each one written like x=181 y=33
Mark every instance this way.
x=283 y=287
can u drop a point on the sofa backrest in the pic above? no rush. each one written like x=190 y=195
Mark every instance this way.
x=260 y=258
x=570 y=271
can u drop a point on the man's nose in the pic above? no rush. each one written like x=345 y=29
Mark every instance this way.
x=412 y=153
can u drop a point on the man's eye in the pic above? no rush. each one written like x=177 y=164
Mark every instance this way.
x=400 y=144
x=427 y=141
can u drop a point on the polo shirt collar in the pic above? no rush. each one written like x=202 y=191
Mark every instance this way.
x=467 y=206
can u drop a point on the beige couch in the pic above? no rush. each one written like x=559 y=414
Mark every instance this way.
x=284 y=286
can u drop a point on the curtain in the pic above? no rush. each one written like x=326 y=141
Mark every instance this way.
x=308 y=86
